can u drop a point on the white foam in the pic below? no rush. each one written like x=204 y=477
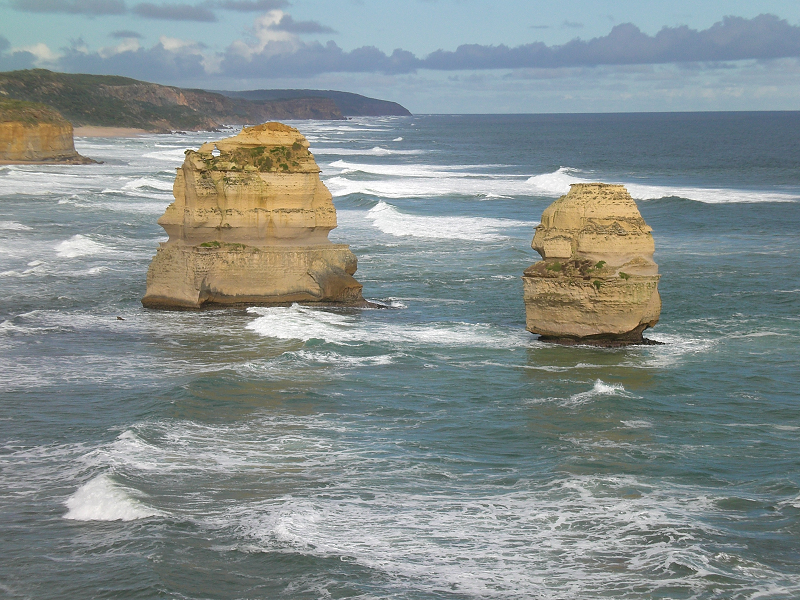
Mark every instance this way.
x=398 y=139
x=419 y=181
x=390 y=220
x=599 y=389
x=557 y=183
x=637 y=424
x=13 y=226
x=674 y=348
x=334 y=358
x=79 y=245
x=564 y=539
x=175 y=155
x=142 y=185
x=102 y=500
x=374 y=151
x=304 y=323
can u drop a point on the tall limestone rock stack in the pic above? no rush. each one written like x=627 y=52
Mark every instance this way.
x=597 y=283
x=250 y=225
x=35 y=133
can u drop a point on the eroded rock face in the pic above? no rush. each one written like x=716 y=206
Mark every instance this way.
x=34 y=133
x=597 y=282
x=250 y=224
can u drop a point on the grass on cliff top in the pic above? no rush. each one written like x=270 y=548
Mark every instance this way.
x=83 y=100
x=29 y=113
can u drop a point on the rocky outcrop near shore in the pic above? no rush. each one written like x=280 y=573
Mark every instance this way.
x=32 y=133
x=597 y=282
x=250 y=225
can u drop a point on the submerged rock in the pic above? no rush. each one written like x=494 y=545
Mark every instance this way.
x=250 y=225
x=32 y=133
x=597 y=283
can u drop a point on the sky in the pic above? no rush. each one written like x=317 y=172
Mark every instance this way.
x=433 y=56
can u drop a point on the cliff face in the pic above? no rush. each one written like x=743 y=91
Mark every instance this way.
x=33 y=133
x=597 y=282
x=250 y=224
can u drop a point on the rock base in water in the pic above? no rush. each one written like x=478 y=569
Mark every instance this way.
x=632 y=338
x=191 y=277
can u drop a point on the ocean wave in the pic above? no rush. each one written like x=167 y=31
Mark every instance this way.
x=13 y=226
x=148 y=182
x=103 y=500
x=303 y=323
x=374 y=151
x=392 y=221
x=615 y=532
x=175 y=155
x=420 y=180
x=334 y=358
x=557 y=184
x=79 y=245
x=673 y=349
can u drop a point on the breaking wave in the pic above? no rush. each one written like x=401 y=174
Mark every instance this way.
x=389 y=219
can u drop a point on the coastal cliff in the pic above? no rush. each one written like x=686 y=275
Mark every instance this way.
x=34 y=133
x=113 y=101
x=597 y=283
x=250 y=224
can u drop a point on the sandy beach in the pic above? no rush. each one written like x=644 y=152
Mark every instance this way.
x=124 y=132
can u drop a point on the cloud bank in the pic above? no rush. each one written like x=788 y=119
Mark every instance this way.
x=173 y=12
x=276 y=50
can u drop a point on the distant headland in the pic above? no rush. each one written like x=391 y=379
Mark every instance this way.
x=112 y=101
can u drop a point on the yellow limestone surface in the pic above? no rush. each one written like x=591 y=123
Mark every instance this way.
x=38 y=142
x=250 y=224
x=597 y=281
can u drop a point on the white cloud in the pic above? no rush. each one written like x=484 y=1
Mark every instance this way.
x=270 y=40
x=174 y=45
x=42 y=53
x=126 y=45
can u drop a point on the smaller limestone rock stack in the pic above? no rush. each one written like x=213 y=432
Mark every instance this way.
x=597 y=283
x=250 y=225
x=35 y=133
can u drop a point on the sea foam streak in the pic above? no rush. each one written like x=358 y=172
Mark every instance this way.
x=389 y=219
x=557 y=184
x=79 y=245
x=374 y=151
x=302 y=323
x=102 y=500
x=419 y=181
x=13 y=226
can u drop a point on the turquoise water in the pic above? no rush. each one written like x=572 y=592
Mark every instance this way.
x=435 y=450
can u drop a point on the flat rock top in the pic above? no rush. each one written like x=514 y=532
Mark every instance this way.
x=267 y=134
x=271 y=147
x=591 y=201
x=29 y=113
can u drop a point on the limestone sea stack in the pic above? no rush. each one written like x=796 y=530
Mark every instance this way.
x=597 y=283
x=249 y=225
x=32 y=133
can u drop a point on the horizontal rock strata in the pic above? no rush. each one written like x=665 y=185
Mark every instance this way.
x=32 y=133
x=597 y=283
x=250 y=225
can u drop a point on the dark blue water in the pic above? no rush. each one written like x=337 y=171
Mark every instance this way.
x=432 y=451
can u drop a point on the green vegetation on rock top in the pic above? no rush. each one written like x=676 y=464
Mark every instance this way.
x=28 y=112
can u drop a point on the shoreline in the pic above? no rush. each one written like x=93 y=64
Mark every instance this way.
x=116 y=132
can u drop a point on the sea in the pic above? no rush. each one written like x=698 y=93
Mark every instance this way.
x=434 y=449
